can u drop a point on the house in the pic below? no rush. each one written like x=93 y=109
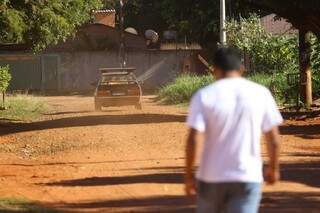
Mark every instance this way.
x=276 y=25
x=72 y=66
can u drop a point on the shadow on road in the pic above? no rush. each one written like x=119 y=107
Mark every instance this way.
x=284 y=202
x=122 y=180
x=176 y=204
x=305 y=173
x=290 y=202
x=307 y=131
x=92 y=120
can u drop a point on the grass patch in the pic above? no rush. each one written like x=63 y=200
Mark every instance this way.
x=181 y=90
x=22 y=205
x=23 y=107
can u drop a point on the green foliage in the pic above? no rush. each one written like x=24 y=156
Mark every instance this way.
x=276 y=54
x=269 y=53
x=12 y=26
x=41 y=23
x=316 y=84
x=22 y=205
x=182 y=89
x=199 y=20
x=315 y=54
x=5 y=78
x=194 y=20
x=23 y=107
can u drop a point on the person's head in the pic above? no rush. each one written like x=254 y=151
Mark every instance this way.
x=226 y=63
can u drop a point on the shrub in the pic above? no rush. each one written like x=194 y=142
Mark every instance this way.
x=5 y=78
x=182 y=89
x=268 y=52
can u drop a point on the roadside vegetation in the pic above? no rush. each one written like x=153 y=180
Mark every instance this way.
x=272 y=59
x=22 y=108
x=22 y=205
x=181 y=90
x=5 y=78
x=18 y=107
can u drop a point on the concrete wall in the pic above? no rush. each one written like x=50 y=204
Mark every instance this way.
x=75 y=71
x=155 y=68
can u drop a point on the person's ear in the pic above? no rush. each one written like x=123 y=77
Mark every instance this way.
x=217 y=73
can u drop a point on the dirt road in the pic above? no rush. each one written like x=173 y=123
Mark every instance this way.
x=126 y=160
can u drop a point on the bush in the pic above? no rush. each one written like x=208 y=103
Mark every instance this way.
x=268 y=53
x=182 y=89
x=23 y=107
x=5 y=78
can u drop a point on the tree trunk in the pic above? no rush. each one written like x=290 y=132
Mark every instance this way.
x=305 y=68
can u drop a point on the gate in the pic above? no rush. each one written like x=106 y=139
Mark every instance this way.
x=50 y=73
x=32 y=73
x=25 y=71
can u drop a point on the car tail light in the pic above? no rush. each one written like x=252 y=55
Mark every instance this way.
x=104 y=93
x=134 y=92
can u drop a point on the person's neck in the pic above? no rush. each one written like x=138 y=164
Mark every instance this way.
x=232 y=74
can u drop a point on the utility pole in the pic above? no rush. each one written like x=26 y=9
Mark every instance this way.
x=223 y=35
x=305 y=68
x=122 y=54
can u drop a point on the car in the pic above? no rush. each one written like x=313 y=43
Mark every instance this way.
x=117 y=87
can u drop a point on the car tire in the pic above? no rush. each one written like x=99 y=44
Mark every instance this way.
x=138 y=106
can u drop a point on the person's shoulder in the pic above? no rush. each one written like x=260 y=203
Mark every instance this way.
x=204 y=91
x=257 y=87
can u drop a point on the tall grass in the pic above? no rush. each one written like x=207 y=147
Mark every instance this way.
x=23 y=107
x=182 y=89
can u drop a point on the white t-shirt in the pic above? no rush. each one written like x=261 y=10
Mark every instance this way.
x=232 y=113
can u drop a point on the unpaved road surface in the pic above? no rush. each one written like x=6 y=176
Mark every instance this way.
x=125 y=160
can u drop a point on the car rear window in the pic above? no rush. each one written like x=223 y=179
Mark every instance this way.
x=108 y=78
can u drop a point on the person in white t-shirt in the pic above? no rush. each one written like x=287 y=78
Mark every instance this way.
x=231 y=113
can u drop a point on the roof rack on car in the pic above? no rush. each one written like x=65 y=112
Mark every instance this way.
x=117 y=69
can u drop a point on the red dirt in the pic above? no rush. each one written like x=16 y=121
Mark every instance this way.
x=126 y=160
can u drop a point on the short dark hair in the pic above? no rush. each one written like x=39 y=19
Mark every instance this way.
x=227 y=59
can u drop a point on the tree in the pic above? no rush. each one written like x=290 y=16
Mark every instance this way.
x=305 y=16
x=40 y=23
x=196 y=21
x=5 y=78
x=269 y=53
